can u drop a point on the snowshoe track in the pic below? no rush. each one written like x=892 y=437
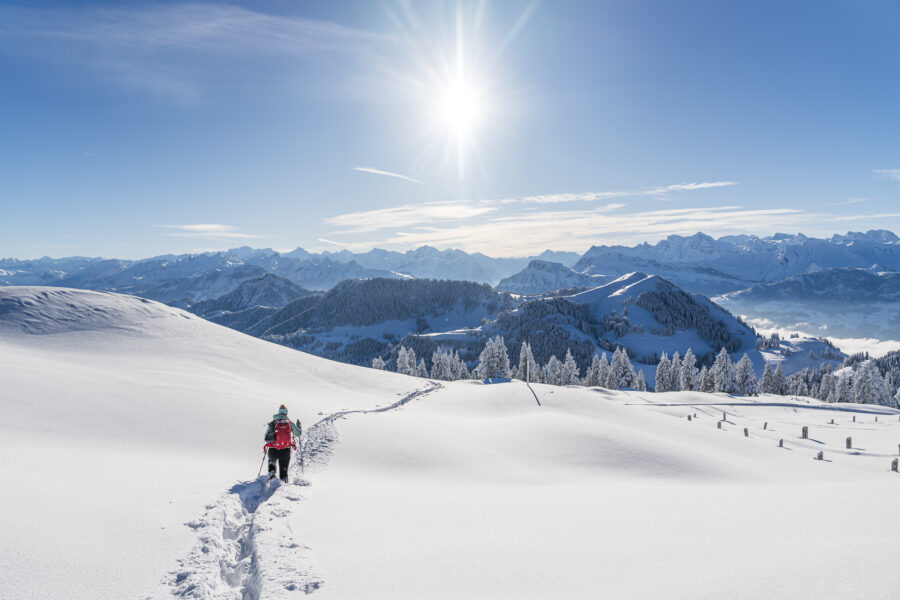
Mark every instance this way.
x=246 y=549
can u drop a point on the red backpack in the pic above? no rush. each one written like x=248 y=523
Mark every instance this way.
x=284 y=437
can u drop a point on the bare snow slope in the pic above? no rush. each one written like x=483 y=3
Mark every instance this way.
x=477 y=492
x=121 y=418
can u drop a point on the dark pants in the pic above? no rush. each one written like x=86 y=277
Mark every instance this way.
x=283 y=458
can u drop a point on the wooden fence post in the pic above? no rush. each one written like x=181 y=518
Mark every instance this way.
x=849 y=443
x=805 y=433
x=719 y=424
x=689 y=417
x=781 y=443
x=854 y=418
x=820 y=456
x=746 y=432
x=894 y=466
x=765 y=425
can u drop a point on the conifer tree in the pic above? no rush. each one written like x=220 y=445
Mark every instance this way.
x=570 y=373
x=641 y=385
x=421 y=369
x=378 y=363
x=596 y=374
x=675 y=379
x=663 y=375
x=746 y=378
x=724 y=374
x=780 y=382
x=689 y=373
x=707 y=381
x=767 y=383
x=528 y=369
x=553 y=371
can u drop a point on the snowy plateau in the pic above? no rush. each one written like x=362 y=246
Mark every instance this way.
x=130 y=433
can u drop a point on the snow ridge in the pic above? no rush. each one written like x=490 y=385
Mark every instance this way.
x=246 y=549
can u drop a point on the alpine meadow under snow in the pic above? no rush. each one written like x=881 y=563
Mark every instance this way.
x=154 y=418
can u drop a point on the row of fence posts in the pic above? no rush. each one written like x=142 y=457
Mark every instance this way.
x=804 y=434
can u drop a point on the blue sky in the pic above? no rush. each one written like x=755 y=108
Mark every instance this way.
x=134 y=129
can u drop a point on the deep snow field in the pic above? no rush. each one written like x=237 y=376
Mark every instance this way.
x=131 y=434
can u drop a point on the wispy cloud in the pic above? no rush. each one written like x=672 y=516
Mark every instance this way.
x=175 y=49
x=847 y=201
x=375 y=171
x=407 y=215
x=888 y=173
x=594 y=196
x=209 y=231
x=523 y=234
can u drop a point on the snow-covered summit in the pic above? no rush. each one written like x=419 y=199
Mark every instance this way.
x=542 y=276
x=51 y=310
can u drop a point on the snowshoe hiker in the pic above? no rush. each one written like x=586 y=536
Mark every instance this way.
x=281 y=438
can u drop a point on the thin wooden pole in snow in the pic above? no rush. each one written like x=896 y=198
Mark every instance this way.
x=781 y=443
x=746 y=432
x=765 y=425
x=894 y=466
x=719 y=424
x=820 y=456
x=849 y=443
x=805 y=434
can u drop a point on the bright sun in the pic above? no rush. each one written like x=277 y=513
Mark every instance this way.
x=459 y=109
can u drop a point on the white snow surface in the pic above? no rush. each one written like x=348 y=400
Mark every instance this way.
x=129 y=433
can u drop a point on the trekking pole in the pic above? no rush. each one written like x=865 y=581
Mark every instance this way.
x=261 y=463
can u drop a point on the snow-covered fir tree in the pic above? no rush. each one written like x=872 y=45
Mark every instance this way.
x=689 y=371
x=528 y=369
x=459 y=368
x=570 y=374
x=706 y=381
x=675 y=379
x=724 y=374
x=553 y=371
x=746 y=378
x=640 y=384
x=868 y=386
x=767 y=383
x=663 y=375
x=406 y=361
x=494 y=360
x=421 y=369
x=843 y=389
x=596 y=374
x=779 y=381
x=621 y=371
x=378 y=363
x=441 y=367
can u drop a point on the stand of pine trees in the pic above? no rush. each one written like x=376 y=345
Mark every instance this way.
x=864 y=381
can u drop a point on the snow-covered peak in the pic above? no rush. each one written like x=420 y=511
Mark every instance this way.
x=50 y=310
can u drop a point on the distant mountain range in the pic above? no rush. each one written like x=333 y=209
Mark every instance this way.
x=714 y=267
x=752 y=276
x=845 y=303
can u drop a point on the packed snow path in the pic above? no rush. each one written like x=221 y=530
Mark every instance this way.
x=246 y=548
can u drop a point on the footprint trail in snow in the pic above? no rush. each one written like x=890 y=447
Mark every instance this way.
x=246 y=549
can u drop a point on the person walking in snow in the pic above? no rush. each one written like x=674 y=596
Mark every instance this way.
x=281 y=438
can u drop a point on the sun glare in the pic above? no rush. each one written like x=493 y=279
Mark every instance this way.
x=459 y=109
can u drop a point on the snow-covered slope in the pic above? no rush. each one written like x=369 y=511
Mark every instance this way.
x=149 y=420
x=478 y=492
x=541 y=276
x=121 y=419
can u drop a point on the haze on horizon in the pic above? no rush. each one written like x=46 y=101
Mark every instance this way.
x=504 y=128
